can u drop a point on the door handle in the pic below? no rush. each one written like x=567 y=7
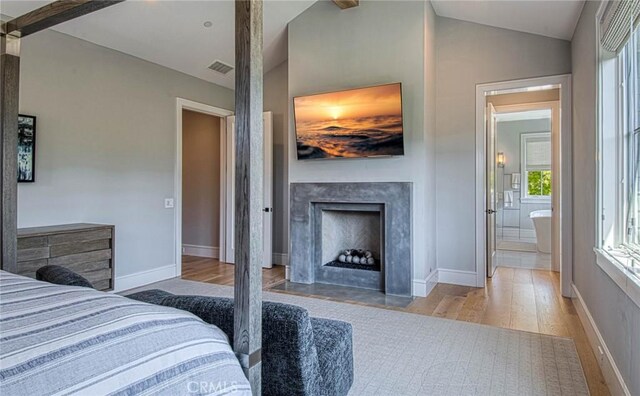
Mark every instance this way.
x=490 y=211
x=267 y=210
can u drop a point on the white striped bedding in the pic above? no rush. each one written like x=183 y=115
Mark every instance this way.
x=62 y=340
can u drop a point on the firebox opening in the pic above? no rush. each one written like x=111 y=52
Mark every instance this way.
x=352 y=239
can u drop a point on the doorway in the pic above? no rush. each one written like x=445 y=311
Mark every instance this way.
x=201 y=170
x=523 y=182
x=199 y=187
x=221 y=125
x=523 y=212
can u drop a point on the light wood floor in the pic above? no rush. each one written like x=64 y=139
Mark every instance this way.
x=213 y=271
x=515 y=298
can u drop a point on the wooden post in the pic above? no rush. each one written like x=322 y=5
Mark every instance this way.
x=9 y=88
x=249 y=187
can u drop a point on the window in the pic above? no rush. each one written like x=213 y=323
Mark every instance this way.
x=536 y=166
x=539 y=183
x=619 y=135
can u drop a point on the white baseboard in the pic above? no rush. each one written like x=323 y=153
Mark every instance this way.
x=431 y=281
x=201 y=251
x=419 y=288
x=456 y=277
x=143 y=278
x=422 y=288
x=280 y=258
x=608 y=366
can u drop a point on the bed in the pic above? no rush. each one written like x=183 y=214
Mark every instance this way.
x=75 y=340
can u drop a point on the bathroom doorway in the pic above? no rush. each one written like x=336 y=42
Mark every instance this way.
x=523 y=181
x=523 y=217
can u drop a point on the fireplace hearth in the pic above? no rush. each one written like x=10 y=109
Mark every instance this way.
x=352 y=234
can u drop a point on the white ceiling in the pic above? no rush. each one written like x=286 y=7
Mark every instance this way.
x=171 y=33
x=523 y=115
x=555 y=18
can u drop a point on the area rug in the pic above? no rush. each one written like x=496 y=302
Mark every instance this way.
x=397 y=353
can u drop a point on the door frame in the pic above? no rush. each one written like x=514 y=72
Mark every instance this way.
x=185 y=104
x=563 y=82
x=490 y=191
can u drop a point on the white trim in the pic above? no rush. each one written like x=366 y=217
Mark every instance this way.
x=222 y=254
x=431 y=281
x=185 y=104
x=422 y=288
x=143 y=278
x=227 y=252
x=280 y=258
x=610 y=371
x=201 y=251
x=456 y=277
x=565 y=199
x=419 y=288
x=535 y=199
x=625 y=280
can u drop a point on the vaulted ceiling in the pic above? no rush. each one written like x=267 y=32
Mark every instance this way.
x=188 y=36
x=556 y=18
x=173 y=33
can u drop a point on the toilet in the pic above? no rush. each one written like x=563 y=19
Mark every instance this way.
x=542 y=224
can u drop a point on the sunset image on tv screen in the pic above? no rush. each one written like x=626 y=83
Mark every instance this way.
x=362 y=122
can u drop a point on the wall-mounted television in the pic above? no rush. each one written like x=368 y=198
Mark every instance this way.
x=355 y=123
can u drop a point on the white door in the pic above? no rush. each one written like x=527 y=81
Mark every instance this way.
x=491 y=190
x=556 y=186
x=268 y=190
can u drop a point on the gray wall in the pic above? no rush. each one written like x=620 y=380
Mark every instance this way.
x=276 y=99
x=375 y=43
x=470 y=54
x=105 y=143
x=200 y=179
x=616 y=316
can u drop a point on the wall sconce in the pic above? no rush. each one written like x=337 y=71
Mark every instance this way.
x=501 y=160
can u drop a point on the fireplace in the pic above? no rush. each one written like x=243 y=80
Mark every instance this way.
x=349 y=236
x=366 y=220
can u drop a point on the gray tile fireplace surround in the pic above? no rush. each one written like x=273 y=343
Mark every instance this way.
x=391 y=200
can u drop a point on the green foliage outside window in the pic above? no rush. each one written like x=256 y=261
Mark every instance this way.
x=539 y=183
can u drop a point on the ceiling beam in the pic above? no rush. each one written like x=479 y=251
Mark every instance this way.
x=344 y=4
x=53 y=14
x=249 y=196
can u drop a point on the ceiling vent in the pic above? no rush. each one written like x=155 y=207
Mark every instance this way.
x=220 y=67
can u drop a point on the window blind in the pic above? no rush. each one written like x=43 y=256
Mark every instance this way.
x=617 y=23
x=538 y=154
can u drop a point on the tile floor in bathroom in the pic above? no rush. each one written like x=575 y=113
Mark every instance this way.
x=528 y=260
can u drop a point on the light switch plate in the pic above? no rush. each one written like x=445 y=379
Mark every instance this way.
x=168 y=203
